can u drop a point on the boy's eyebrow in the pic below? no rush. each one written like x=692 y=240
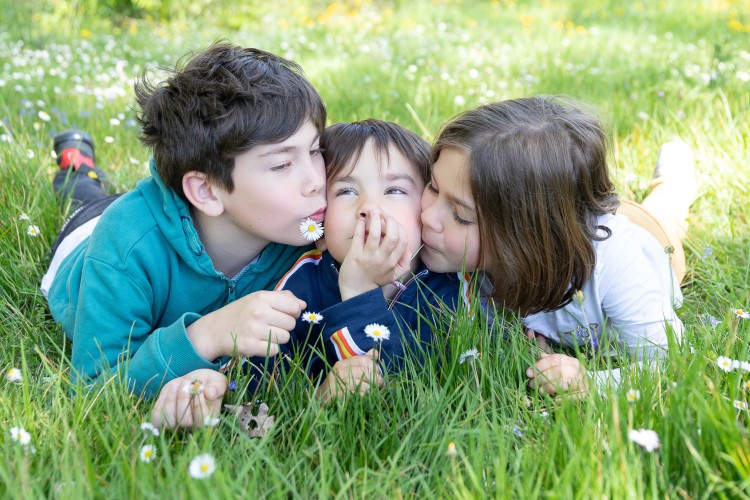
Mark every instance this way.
x=388 y=178
x=286 y=149
x=399 y=177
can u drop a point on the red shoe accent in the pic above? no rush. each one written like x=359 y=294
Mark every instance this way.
x=73 y=156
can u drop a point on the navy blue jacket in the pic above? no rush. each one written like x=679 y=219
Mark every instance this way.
x=410 y=317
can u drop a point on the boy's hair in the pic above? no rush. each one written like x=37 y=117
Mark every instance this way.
x=539 y=179
x=342 y=145
x=220 y=104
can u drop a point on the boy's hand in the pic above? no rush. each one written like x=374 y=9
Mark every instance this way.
x=187 y=401
x=256 y=324
x=355 y=374
x=376 y=259
x=558 y=372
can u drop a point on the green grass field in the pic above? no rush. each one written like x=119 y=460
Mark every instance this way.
x=654 y=70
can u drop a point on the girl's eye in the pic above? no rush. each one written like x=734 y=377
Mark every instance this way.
x=316 y=152
x=282 y=167
x=345 y=191
x=431 y=188
x=395 y=190
x=461 y=221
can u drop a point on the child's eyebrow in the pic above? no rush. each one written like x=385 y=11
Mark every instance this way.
x=399 y=177
x=459 y=201
x=286 y=149
x=278 y=151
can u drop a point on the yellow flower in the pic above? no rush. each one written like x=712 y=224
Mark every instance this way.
x=148 y=453
x=311 y=230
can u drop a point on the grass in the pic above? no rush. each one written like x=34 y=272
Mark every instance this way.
x=654 y=70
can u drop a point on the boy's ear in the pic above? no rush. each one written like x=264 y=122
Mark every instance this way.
x=201 y=193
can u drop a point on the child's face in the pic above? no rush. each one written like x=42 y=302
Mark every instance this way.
x=449 y=221
x=277 y=186
x=390 y=184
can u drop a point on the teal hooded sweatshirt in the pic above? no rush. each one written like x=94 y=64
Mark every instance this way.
x=126 y=295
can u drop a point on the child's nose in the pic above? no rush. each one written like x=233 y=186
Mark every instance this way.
x=367 y=205
x=316 y=177
x=430 y=217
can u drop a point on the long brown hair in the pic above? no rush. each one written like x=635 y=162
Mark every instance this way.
x=539 y=180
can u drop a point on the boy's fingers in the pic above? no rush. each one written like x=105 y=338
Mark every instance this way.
x=286 y=302
x=373 y=237
x=358 y=238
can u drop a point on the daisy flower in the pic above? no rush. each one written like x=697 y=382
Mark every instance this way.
x=377 y=332
x=740 y=405
x=149 y=427
x=724 y=363
x=312 y=317
x=202 y=466
x=194 y=388
x=14 y=375
x=646 y=438
x=744 y=366
x=741 y=313
x=468 y=355
x=311 y=229
x=451 y=451
x=33 y=230
x=24 y=216
x=633 y=395
x=578 y=297
x=211 y=421
x=20 y=436
x=148 y=453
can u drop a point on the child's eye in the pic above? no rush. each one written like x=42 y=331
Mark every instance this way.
x=461 y=221
x=316 y=152
x=345 y=191
x=431 y=188
x=395 y=190
x=282 y=167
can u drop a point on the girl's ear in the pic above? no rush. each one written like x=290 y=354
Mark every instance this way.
x=202 y=194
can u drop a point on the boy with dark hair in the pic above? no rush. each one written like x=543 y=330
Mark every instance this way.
x=368 y=295
x=169 y=278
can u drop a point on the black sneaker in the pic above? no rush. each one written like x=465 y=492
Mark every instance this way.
x=75 y=148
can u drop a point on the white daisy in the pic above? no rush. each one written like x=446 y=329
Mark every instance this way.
x=194 y=388
x=33 y=230
x=149 y=427
x=377 y=332
x=633 y=395
x=468 y=355
x=744 y=366
x=20 y=436
x=451 y=451
x=202 y=466
x=311 y=229
x=23 y=216
x=211 y=421
x=741 y=313
x=312 y=317
x=740 y=405
x=43 y=116
x=724 y=363
x=646 y=438
x=14 y=375
x=148 y=453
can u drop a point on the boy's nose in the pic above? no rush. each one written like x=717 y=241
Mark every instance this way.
x=367 y=205
x=316 y=178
